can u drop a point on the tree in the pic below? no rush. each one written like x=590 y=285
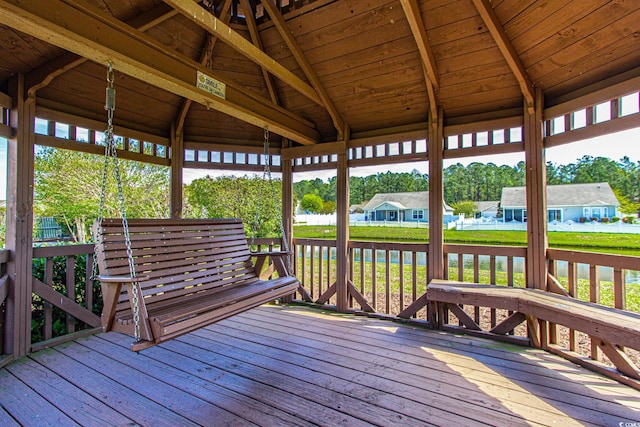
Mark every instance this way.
x=328 y=207
x=627 y=206
x=467 y=207
x=311 y=203
x=68 y=187
x=255 y=201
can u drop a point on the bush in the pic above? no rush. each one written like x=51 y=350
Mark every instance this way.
x=593 y=219
x=628 y=219
x=615 y=219
x=604 y=220
x=582 y=220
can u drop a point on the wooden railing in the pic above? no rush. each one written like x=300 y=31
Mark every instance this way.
x=4 y=292
x=609 y=280
x=389 y=276
x=65 y=301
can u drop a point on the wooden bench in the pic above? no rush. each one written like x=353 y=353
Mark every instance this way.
x=191 y=273
x=610 y=328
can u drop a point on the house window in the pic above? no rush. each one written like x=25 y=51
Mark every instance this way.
x=554 y=215
x=605 y=212
x=508 y=215
x=418 y=214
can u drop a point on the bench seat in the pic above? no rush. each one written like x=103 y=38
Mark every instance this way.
x=611 y=329
x=190 y=273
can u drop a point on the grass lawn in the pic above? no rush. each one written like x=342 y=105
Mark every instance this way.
x=614 y=243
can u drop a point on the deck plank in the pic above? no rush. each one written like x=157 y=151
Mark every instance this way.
x=197 y=362
x=79 y=406
x=160 y=392
x=26 y=406
x=292 y=365
x=512 y=362
x=518 y=399
x=6 y=419
x=183 y=375
x=138 y=407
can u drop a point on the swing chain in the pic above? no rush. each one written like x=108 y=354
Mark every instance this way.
x=267 y=176
x=111 y=153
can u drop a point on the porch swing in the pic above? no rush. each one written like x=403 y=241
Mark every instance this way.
x=161 y=278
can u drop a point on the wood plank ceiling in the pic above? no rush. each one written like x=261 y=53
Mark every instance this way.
x=339 y=65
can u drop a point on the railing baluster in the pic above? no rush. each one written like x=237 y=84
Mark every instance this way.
x=312 y=262
x=48 y=308
x=70 y=287
x=401 y=278
x=387 y=281
x=374 y=278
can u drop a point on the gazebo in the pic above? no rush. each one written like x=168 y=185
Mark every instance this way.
x=338 y=84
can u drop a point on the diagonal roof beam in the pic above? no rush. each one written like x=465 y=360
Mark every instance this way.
x=255 y=37
x=43 y=76
x=206 y=20
x=412 y=12
x=225 y=15
x=304 y=63
x=510 y=55
x=88 y=32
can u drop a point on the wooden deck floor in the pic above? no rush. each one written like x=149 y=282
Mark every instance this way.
x=281 y=366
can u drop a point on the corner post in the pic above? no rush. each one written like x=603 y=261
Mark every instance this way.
x=177 y=161
x=287 y=202
x=536 y=193
x=20 y=160
x=435 y=267
x=342 y=228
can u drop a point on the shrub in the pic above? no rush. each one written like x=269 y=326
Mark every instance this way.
x=582 y=220
x=604 y=220
x=628 y=219
x=615 y=219
x=593 y=219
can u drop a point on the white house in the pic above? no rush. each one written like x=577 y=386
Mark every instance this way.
x=404 y=207
x=565 y=202
x=488 y=210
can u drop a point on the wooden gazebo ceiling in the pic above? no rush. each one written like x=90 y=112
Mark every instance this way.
x=369 y=65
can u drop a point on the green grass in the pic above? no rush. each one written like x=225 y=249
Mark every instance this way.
x=614 y=243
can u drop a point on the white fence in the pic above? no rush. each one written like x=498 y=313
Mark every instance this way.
x=570 y=226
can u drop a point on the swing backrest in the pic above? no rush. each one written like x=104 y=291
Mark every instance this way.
x=180 y=257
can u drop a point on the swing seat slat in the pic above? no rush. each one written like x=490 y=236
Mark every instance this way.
x=191 y=273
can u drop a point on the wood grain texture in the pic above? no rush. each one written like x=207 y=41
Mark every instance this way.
x=286 y=365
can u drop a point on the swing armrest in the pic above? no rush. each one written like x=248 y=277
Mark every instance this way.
x=122 y=279
x=272 y=253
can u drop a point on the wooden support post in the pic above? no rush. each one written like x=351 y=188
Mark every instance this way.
x=177 y=162
x=342 y=230
x=435 y=267
x=19 y=238
x=287 y=202
x=536 y=177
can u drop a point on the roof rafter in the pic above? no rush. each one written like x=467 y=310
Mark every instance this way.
x=412 y=12
x=43 y=76
x=255 y=37
x=206 y=20
x=225 y=15
x=304 y=63
x=506 y=48
x=90 y=33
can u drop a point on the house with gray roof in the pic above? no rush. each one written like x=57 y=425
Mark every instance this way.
x=488 y=210
x=402 y=207
x=566 y=202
